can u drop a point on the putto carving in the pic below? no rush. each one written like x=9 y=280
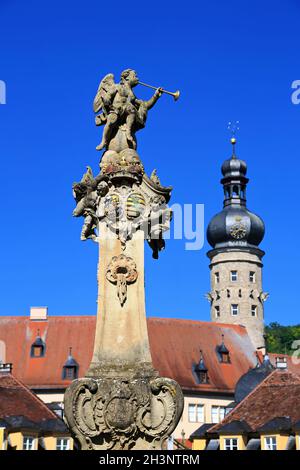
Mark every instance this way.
x=122 y=271
x=122 y=113
x=120 y=414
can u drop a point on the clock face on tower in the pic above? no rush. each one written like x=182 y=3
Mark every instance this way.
x=238 y=231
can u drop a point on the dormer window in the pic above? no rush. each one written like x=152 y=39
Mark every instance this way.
x=223 y=353
x=38 y=348
x=70 y=368
x=200 y=371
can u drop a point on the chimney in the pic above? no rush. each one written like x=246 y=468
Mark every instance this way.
x=5 y=368
x=38 y=313
x=281 y=363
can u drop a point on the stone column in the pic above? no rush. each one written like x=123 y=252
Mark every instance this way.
x=122 y=403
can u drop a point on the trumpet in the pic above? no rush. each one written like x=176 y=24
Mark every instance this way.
x=175 y=94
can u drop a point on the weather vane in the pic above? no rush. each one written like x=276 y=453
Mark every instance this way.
x=233 y=128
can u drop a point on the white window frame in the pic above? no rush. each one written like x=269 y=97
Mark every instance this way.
x=29 y=443
x=234 y=308
x=192 y=413
x=200 y=413
x=217 y=311
x=219 y=414
x=62 y=443
x=196 y=412
x=233 y=276
x=231 y=443
x=254 y=310
x=272 y=444
x=252 y=277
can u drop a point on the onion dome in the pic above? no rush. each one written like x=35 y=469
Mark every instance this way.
x=252 y=378
x=235 y=225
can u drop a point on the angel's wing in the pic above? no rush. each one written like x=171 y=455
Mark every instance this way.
x=105 y=93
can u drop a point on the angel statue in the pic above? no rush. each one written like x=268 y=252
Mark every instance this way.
x=122 y=114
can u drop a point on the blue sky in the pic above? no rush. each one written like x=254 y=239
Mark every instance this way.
x=231 y=60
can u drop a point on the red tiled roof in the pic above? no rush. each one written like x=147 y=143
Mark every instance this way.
x=174 y=343
x=17 y=400
x=277 y=396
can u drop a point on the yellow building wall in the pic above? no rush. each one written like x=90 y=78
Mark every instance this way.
x=1 y=438
x=208 y=402
x=297 y=441
x=199 y=444
x=281 y=441
x=50 y=442
x=16 y=440
x=242 y=441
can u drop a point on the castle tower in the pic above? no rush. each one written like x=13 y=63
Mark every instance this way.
x=235 y=233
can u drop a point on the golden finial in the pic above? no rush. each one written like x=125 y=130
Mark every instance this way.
x=233 y=128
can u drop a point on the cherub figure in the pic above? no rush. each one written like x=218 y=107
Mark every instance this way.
x=87 y=202
x=120 y=107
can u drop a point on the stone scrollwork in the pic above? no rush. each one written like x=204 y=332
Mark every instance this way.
x=121 y=271
x=121 y=414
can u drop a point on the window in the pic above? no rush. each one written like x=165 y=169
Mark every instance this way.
x=233 y=276
x=231 y=444
x=70 y=373
x=28 y=443
x=254 y=310
x=62 y=444
x=252 y=276
x=37 y=351
x=196 y=413
x=217 y=311
x=38 y=347
x=270 y=443
x=234 y=309
x=217 y=414
x=203 y=377
x=217 y=278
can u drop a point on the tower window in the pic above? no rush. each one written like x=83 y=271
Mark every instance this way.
x=252 y=276
x=217 y=278
x=234 y=309
x=254 y=310
x=235 y=191
x=233 y=276
x=217 y=311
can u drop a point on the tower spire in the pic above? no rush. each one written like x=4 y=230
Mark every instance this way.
x=233 y=127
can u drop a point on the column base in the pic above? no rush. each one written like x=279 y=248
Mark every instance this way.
x=123 y=412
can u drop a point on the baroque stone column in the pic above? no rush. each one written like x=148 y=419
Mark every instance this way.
x=122 y=403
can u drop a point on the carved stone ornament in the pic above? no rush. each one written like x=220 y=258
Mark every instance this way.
x=116 y=413
x=122 y=271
